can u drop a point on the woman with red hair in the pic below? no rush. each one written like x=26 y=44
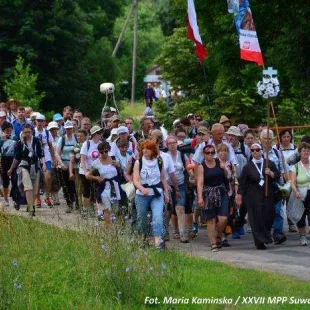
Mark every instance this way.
x=150 y=182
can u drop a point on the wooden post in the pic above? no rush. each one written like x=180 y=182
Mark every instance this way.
x=122 y=32
x=134 y=51
x=267 y=152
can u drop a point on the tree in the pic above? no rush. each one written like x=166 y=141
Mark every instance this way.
x=22 y=85
x=56 y=37
x=284 y=36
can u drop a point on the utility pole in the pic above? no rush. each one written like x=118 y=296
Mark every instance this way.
x=134 y=51
x=123 y=32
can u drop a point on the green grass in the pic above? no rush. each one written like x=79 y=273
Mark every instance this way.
x=44 y=267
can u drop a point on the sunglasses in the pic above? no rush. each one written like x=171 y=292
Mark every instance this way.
x=210 y=153
x=255 y=150
x=104 y=151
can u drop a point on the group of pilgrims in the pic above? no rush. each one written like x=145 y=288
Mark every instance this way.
x=228 y=178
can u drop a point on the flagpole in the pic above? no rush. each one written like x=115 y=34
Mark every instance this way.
x=268 y=144
x=207 y=91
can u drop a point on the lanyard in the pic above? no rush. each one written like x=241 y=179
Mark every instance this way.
x=260 y=171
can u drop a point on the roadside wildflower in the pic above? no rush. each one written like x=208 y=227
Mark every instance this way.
x=15 y=262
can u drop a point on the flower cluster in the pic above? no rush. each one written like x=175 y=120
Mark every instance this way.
x=269 y=87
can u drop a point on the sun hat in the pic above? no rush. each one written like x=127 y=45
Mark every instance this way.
x=224 y=119
x=203 y=130
x=95 y=129
x=68 y=124
x=234 y=131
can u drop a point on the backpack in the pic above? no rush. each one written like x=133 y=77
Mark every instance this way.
x=63 y=141
x=242 y=147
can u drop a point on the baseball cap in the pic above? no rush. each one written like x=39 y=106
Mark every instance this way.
x=57 y=117
x=40 y=117
x=122 y=129
x=2 y=114
x=68 y=124
x=52 y=125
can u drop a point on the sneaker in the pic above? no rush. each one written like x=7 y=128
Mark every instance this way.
x=100 y=217
x=6 y=203
x=241 y=231
x=303 y=240
x=236 y=235
x=55 y=200
x=279 y=238
x=225 y=243
x=195 y=228
x=292 y=229
x=38 y=203
x=48 y=202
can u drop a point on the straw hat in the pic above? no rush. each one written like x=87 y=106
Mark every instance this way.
x=225 y=119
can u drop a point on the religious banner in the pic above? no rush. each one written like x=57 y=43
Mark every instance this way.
x=249 y=45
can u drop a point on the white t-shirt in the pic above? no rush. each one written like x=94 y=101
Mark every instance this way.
x=179 y=168
x=42 y=136
x=150 y=175
x=123 y=160
x=287 y=152
x=107 y=172
x=91 y=154
x=168 y=164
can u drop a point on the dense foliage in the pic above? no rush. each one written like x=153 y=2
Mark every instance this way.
x=284 y=35
x=68 y=45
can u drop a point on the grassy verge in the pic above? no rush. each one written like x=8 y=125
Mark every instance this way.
x=44 y=267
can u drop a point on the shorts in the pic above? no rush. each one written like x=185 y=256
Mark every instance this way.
x=48 y=165
x=181 y=202
x=219 y=211
x=86 y=185
x=29 y=184
x=107 y=204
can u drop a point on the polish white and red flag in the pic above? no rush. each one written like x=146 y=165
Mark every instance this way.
x=193 y=31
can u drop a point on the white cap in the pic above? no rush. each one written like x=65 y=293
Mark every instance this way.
x=2 y=114
x=52 y=125
x=40 y=117
x=122 y=129
x=68 y=124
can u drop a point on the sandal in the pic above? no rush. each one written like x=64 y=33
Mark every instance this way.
x=214 y=248
x=176 y=236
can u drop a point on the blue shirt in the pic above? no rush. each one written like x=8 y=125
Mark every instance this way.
x=18 y=127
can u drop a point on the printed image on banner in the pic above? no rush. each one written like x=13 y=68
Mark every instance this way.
x=249 y=45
